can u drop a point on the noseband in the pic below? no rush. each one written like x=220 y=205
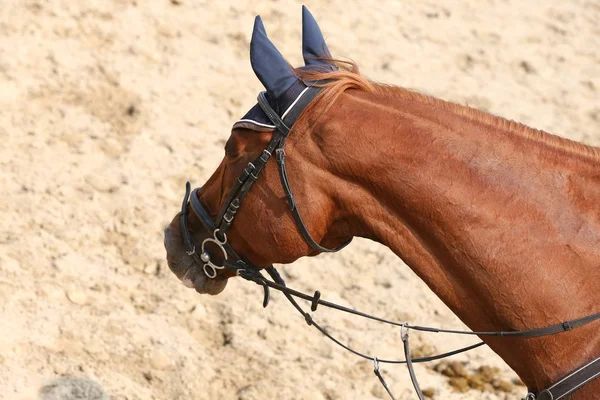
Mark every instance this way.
x=243 y=268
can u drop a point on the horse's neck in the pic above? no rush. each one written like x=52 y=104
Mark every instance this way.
x=502 y=225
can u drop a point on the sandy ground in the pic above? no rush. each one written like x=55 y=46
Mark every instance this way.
x=107 y=107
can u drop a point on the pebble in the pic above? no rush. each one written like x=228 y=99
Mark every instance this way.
x=460 y=384
x=423 y=350
x=103 y=182
x=60 y=369
x=70 y=388
x=503 y=385
x=378 y=391
x=77 y=296
x=71 y=348
x=111 y=147
x=150 y=268
x=248 y=392
x=517 y=382
x=160 y=360
x=50 y=291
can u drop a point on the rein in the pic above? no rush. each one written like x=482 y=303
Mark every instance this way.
x=241 y=267
x=570 y=383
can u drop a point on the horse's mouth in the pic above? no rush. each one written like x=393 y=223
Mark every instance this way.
x=194 y=278
x=187 y=281
x=184 y=267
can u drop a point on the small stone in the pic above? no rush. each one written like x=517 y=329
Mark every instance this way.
x=69 y=388
x=423 y=350
x=111 y=147
x=503 y=385
x=378 y=391
x=248 y=392
x=161 y=361
x=60 y=369
x=475 y=382
x=77 y=297
x=487 y=373
x=103 y=181
x=72 y=348
x=459 y=369
x=517 y=382
x=451 y=369
x=459 y=384
x=441 y=366
x=150 y=268
x=428 y=392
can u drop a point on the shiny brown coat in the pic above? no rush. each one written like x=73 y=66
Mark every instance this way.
x=500 y=220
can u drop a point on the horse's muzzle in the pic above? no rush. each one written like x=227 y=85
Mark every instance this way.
x=183 y=265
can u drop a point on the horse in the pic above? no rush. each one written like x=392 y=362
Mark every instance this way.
x=500 y=220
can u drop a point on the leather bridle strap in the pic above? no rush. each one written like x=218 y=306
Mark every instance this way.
x=240 y=189
x=250 y=174
x=243 y=184
x=187 y=238
x=566 y=385
x=279 y=284
x=282 y=127
x=571 y=382
x=377 y=373
x=549 y=330
x=407 y=356
x=280 y=154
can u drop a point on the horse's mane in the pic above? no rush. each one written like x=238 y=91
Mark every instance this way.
x=347 y=76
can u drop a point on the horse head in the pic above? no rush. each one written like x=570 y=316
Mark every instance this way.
x=265 y=230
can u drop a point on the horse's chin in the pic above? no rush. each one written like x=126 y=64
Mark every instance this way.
x=195 y=278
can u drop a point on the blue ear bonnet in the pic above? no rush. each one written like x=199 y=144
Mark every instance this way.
x=277 y=76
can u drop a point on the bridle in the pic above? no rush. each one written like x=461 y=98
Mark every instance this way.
x=241 y=188
x=239 y=266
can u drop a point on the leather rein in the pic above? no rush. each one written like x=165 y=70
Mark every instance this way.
x=241 y=267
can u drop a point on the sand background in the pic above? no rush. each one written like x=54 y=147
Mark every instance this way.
x=107 y=107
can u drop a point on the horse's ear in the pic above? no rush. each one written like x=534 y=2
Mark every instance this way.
x=267 y=62
x=313 y=43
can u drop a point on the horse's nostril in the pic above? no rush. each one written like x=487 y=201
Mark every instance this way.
x=167 y=237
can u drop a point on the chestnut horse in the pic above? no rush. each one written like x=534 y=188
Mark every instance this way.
x=500 y=220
